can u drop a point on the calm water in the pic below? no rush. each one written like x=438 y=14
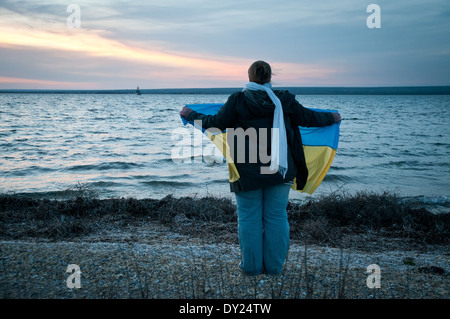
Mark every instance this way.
x=122 y=145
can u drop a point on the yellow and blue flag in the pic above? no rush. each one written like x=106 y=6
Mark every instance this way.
x=319 y=144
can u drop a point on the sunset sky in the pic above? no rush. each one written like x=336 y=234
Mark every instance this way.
x=210 y=43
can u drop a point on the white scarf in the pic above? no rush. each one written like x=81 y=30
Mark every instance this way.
x=279 y=141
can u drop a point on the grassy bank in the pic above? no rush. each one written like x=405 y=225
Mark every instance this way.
x=358 y=221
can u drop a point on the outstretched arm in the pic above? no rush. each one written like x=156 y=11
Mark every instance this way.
x=225 y=117
x=310 y=118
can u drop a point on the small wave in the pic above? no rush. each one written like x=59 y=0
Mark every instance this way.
x=105 y=184
x=7 y=132
x=220 y=181
x=29 y=171
x=166 y=160
x=408 y=164
x=437 y=200
x=7 y=145
x=435 y=204
x=337 y=178
x=175 y=184
x=341 y=168
x=414 y=165
x=419 y=135
x=146 y=177
x=105 y=166
x=181 y=159
x=441 y=144
x=209 y=160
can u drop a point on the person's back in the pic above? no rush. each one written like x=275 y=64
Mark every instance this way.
x=250 y=140
x=266 y=148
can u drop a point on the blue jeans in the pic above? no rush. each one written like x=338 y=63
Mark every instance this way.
x=263 y=229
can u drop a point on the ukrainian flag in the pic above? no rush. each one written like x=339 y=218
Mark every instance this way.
x=319 y=145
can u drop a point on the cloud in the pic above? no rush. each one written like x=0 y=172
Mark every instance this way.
x=19 y=31
x=40 y=84
x=193 y=43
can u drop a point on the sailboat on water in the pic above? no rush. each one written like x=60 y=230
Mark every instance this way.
x=138 y=92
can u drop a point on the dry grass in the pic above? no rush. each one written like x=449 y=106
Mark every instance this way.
x=339 y=221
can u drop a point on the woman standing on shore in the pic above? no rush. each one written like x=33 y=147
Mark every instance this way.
x=262 y=194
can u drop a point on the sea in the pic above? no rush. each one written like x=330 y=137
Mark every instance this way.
x=56 y=145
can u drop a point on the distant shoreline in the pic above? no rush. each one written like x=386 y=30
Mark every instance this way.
x=403 y=90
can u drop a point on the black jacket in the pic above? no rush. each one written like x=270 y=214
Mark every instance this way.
x=254 y=109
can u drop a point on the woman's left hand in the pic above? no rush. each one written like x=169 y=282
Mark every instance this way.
x=337 y=117
x=185 y=111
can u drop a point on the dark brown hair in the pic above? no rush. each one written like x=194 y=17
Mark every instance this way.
x=260 y=72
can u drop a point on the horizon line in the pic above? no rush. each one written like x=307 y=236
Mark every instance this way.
x=432 y=89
